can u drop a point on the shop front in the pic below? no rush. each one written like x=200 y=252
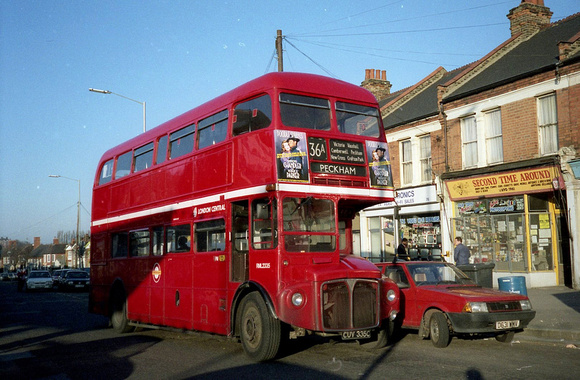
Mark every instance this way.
x=512 y=219
x=415 y=214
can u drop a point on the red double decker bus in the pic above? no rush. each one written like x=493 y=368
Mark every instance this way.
x=235 y=217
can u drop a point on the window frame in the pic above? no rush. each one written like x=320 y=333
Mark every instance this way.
x=547 y=148
x=467 y=143
x=406 y=162
x=494 y=136
x=218 y=122
x=425 y=159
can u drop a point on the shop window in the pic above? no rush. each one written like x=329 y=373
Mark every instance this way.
x=537 y=203
x=541 y=242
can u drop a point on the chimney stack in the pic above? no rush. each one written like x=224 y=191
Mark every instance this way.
x=36 y=241
x=376 y=82
x=529 y=17
x=55 y=241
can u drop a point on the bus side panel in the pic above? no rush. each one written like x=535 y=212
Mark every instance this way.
x=210 y=281
x=254 y=159
x=213 y=168
x=178 y=299
x=100 y=287
x=139 y=290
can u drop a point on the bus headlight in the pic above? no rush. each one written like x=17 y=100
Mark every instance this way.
x=297 y=299
x=391 y=295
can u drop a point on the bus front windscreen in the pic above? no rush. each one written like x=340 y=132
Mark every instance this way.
x=309 y=225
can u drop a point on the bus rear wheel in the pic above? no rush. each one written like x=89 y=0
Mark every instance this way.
x=119 y=320
x=260 y=332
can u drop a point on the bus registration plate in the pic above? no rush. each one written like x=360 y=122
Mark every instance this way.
x=358 y=334
x=502 y=325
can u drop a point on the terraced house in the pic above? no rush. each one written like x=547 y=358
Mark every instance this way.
x=490 y=152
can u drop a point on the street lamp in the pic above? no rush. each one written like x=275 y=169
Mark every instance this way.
x=106 y=92
x=78 y=204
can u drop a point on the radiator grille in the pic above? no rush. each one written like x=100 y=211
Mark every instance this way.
x=496 y=307
x=350 y=304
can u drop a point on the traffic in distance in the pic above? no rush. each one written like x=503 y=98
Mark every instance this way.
x=235 y=218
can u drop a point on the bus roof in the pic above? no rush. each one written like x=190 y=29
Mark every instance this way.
x=308 y=83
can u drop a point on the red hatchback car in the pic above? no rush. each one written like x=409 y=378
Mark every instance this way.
x=441 y=301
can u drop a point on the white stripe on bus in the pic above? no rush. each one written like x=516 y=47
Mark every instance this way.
x=288 y=187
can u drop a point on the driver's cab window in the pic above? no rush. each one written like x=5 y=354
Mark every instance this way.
x=264 y=232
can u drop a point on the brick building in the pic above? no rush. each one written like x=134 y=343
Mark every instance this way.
x=488 y=152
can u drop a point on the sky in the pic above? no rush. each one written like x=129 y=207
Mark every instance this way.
x=175 y=55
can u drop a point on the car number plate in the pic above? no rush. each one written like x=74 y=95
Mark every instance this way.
x=502 y=325
x=358 y=334
x=79 y=286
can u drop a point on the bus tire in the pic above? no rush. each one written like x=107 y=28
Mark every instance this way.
x=439 y=330
x=260 y=332
x=119 y=320
x=383 y=337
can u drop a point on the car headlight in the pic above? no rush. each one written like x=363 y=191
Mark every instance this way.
x=297 y=299
x=526 y=305
x=391 y=295
x=475 y=307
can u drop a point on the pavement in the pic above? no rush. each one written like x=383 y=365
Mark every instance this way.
x=557 y=316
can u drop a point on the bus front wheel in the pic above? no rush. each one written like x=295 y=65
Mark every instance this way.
x=260 y=332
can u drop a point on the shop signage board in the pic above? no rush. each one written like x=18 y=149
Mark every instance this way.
x=532 y=180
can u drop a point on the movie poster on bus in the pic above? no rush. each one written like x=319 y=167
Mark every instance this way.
x=379 y=166
x=291 y=156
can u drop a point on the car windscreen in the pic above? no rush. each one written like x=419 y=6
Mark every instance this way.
x=437 y=274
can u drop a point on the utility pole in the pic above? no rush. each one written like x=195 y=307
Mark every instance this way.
x=279 y=51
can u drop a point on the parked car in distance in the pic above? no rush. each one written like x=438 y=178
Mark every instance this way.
x=57 y=276
x=441 y=301
x=74 y=280
x=38 y=279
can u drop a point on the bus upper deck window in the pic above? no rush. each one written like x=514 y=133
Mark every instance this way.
x=161 y=149
x=143 y=157
x=252 y=115
x=124 y=165
x=305 y=112
x=212 y=130
x=355 y=119
x=106 y=172
x=181 y=141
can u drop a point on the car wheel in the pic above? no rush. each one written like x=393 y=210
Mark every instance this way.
x=119 y=320
x=508 y=337
x=439 y=330
x=260 y=332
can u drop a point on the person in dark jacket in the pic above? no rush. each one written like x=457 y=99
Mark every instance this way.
x=461 y=253
x=402 y=250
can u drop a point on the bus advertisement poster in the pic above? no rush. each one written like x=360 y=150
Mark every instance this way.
x=291 y=156
x=379 y=165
